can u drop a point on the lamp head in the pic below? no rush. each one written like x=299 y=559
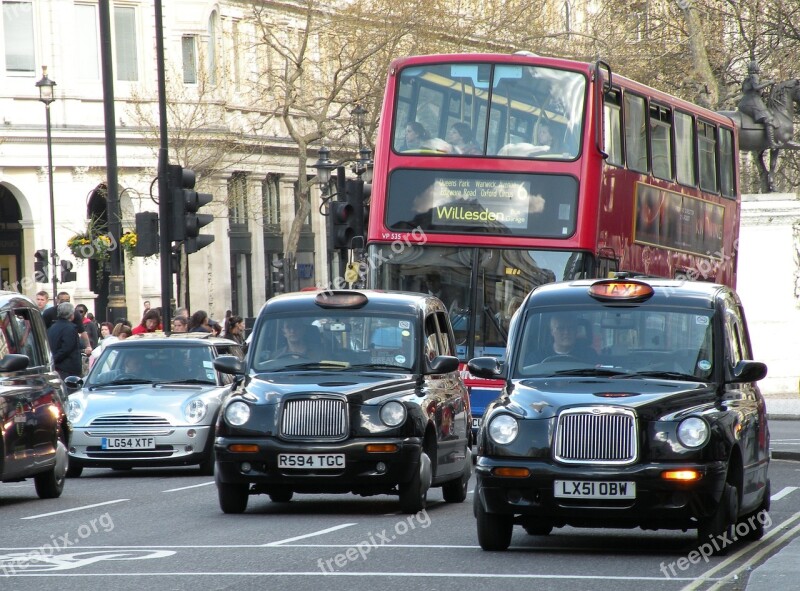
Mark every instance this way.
x=45 y=86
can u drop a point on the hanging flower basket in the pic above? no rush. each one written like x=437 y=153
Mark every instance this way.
x=128 y=242
x=84 y=246
x=93 y=243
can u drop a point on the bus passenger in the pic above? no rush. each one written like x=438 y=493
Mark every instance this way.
x=415 y=135
x=460 y=136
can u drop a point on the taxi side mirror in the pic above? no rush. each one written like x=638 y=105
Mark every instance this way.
x=747 y=371
x=229 y=364
x=489 y=368
x=443 y=364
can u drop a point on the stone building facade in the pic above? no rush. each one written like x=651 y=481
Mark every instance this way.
x=206 y=62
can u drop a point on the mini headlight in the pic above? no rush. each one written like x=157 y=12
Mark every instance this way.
x=393 y=413
x=195 y=411
x=74 y=410
x=503 y=429
x=693 y=432
x=237 y=413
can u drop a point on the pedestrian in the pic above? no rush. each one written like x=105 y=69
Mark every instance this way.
x=151 y=322
x=180 y=324
x=64 y=342
x=234 y=329
x=89 y=325
x=50 y=314
x=43 y=300
x=199 y=322
x=106 y=328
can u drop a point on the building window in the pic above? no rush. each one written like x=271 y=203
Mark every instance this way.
x=212 y=48
x=189 y=49
x=86 y=44
x=271 y=194
x=18 y=35
x=237 y=198
x=125 y=43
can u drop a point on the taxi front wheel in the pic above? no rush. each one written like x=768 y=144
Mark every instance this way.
x=494 y=531
x=414 y=494
x=233 y=497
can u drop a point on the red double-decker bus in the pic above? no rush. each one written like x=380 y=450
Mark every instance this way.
x=496 y=173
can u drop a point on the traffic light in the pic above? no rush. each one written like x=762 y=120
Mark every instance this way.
x=146 y=234
x=354 y=192
x=342 y=216
x=40 y=266
x=67 y=274
x=186 y=222
x=278 y=277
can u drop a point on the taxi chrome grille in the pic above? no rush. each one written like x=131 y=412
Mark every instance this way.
x=596 y=435
x=317 y=417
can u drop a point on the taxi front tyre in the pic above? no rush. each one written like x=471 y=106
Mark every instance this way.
x=717 y=529
x=50 y=484
x=455 y=491
x=494 y=531
x=281 y=496
x=414 y=493
x=233 y=496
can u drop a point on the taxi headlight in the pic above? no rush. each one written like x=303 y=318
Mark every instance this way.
x=503 y=429
x=237 y=413
x=693 y=432
x=393 y=413
x=74 y=410
x=195 y=411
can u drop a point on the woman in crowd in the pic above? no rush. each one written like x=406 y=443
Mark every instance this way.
x=151 y=322
x=234 y=329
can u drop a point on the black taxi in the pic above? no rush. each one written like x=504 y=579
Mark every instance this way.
x=627 y=403
x=35 y=429
x=346 y=391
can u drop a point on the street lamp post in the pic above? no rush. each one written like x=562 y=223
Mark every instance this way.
x=324 y=168
x=45 y=86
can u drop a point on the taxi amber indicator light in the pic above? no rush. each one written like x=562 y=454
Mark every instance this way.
x=620 y=290
x=682 y=475
x=340 y=299
x=512 y=472
x=381 y=448
x=243 y=448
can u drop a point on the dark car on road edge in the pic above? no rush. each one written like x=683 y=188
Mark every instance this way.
x=628 y=403
x=346 y=391
x=35 y=429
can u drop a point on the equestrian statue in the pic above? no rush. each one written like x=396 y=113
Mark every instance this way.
x=766 y=126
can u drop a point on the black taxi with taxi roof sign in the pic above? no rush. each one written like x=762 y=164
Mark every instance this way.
x=346 y=391
x=628 y=402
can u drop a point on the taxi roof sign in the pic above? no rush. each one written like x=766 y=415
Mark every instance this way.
x=619 y=290
x=340 y=299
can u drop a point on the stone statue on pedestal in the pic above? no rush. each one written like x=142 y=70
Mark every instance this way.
x=766 y=125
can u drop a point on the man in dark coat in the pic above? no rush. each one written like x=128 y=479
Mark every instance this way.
x=64 y=342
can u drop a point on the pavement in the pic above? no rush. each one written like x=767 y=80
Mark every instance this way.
x=782 y=570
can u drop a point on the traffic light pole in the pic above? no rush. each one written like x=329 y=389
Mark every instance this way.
x=164 y=197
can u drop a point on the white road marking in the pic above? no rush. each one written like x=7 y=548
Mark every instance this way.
x=311 y=535
x=316 y=573
x=188 y=487
x=75 y=509
x=785 y=491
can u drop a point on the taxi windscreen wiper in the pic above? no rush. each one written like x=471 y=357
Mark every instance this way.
x=594 y=371
x=669 y=375
x=379 y=366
